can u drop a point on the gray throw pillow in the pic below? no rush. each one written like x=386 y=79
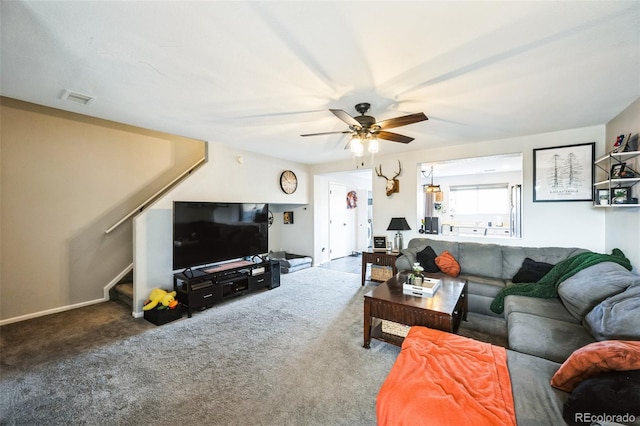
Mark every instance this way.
x=617 y=317
x=583 y=291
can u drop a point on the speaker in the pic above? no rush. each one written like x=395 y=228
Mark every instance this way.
x=431 y=225
x=275 y=274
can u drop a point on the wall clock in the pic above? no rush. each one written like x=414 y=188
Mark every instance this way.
x=288 y=182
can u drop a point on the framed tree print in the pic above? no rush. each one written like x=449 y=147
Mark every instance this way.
x=563 y=173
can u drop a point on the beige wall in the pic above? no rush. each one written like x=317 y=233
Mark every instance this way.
x=65 y=179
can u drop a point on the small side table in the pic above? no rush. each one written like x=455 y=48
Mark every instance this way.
x=378 y=258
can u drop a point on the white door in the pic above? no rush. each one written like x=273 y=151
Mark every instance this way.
x=337 y=220
x=363 y=231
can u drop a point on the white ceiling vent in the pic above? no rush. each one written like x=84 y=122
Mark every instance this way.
x=76 y=97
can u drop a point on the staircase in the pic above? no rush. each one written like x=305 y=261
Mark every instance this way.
x=123 y=291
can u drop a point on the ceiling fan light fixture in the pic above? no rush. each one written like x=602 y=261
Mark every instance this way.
x=356 y=146
x=365 y=130
x=374 y=145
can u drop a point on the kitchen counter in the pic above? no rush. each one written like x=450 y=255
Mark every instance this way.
x=452 y=229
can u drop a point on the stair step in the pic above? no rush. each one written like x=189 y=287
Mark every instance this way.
x=124 y=293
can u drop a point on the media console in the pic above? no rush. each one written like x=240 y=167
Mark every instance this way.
x=202 y=288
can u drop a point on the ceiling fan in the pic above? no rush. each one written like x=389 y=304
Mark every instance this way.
x=364 y=127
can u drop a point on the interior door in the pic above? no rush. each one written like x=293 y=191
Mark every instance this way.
x=337 y=220
x=363 y=230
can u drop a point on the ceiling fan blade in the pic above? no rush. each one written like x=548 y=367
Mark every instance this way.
x=402 y=121
x=394 y=137
x=342 y=115
x=327 y=133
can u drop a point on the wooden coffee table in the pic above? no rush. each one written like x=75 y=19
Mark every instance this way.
x=443 y=311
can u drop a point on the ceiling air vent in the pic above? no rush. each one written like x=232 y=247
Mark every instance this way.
x=76 y=97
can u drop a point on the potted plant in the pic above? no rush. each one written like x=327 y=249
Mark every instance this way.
x=417 y=277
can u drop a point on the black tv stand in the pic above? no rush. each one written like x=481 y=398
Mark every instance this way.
x=203 y=287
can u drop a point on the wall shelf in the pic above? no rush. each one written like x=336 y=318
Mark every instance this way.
x=606 y=163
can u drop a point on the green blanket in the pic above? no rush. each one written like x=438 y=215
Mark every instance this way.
x=547 y=286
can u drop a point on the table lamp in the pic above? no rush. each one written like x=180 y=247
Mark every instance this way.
x=398 y=224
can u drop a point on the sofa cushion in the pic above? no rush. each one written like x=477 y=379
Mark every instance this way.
x=481 y=305
x=545 y=337
x=483 y=286
x=584 y=290
x=617 y=317
x=427 y=259
x=595 y=358
x=277 y=255
x=294 y=268
x=547 y=308
x=290 y=262
x=481 y=259
x=531 y=271
x=438 y=246
x=615 y=393
x=513 y=257
x=448 y=264
x=536 y=403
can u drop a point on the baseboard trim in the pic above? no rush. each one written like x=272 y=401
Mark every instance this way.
x=52 y=311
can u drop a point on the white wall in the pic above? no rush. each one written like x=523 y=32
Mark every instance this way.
x=567 y=224
x=623 y=224
x=296 y=237
x=354 y=217
x=321 y=219
x=570 y=224
x=230 y=175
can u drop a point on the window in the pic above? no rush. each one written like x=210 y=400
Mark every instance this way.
x=479 y=196
x=489 y=199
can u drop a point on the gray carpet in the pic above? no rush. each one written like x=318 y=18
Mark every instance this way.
x=288 y=356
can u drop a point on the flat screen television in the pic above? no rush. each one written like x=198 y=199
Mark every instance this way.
x=205 y=233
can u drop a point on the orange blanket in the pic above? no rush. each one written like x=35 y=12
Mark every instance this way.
x=443 y=379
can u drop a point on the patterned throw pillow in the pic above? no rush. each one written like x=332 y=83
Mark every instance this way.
x=448 y=264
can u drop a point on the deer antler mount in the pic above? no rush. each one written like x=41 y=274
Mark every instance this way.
x=393 y=184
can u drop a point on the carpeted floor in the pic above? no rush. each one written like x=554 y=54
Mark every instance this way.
x=288 y=356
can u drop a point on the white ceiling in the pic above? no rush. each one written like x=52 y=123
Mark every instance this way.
x=256 y=75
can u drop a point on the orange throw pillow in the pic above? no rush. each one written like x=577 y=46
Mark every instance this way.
x=448 y=264
x=595 y=358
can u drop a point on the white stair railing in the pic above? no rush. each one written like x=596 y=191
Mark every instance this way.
x=157 y=195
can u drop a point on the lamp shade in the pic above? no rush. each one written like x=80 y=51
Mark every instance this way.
x=398 y=224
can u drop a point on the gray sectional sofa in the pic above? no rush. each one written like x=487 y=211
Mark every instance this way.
x=601 y=302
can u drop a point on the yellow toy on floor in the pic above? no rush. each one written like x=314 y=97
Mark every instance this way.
x=164 y=298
